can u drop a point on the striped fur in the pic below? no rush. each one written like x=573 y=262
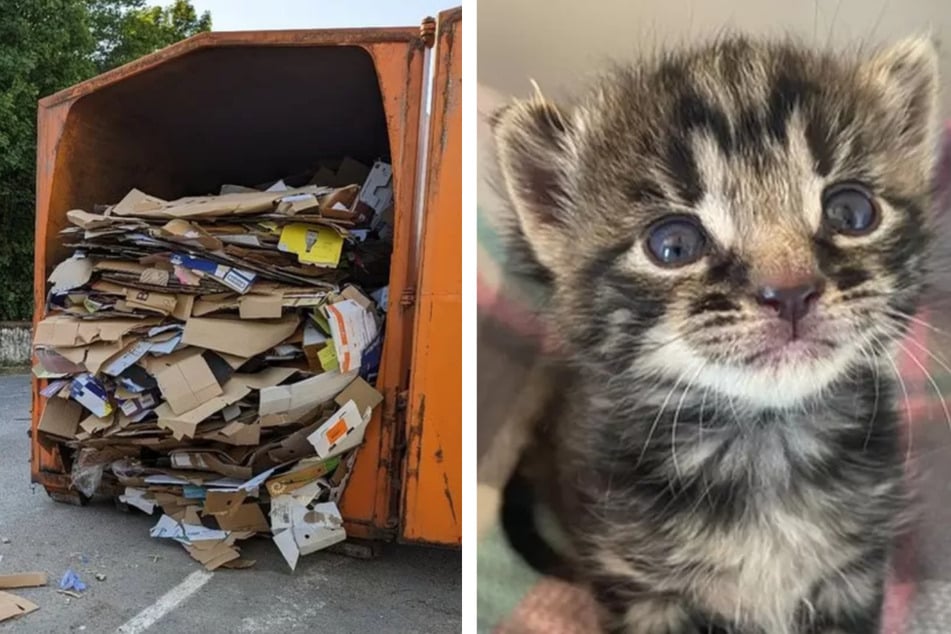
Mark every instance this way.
x=703 y=488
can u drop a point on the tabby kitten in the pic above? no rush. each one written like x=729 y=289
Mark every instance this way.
x=734 y=236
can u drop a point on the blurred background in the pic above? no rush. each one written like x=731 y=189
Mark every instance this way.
x=557 y=42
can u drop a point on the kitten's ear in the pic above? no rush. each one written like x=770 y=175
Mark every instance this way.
x=535 y=152
x=907 y=72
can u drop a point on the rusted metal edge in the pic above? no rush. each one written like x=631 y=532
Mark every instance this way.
x=219 y=39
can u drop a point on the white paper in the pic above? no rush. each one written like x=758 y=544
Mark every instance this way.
x=317 y=528
x=248 y=240
x=350 y=323
x=226 y=484
x=305 y=394
x=160 y=329
x=313 y=336
x=288 y=547
x=136 y=497
x=126 y=359
x=281 y=512
x=279 y=186
x=356 y=427
x=165 y=347
x=257 y=480
x=164 y=479
x=168 y=528
x=381 y=296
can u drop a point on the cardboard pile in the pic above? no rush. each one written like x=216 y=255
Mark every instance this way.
x=213 y=356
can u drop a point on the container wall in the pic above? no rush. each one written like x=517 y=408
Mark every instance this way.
x=244 y=108
x=432 y=490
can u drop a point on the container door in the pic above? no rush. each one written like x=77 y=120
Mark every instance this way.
x=432 y=491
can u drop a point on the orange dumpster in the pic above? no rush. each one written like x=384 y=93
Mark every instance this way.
x=253 y=106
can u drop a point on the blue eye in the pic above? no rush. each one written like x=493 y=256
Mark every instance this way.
x=676 y=241
x=849 y=209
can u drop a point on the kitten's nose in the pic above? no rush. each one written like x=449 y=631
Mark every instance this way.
x=791 y=301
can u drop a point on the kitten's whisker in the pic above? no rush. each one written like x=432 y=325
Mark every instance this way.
x=871 y=419
x=910 y=422
x=657 y=418
x=894 y=312
x=931 y=380
x=937 y=359
x=673 y=427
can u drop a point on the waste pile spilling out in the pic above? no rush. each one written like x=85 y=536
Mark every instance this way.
x=211 y=359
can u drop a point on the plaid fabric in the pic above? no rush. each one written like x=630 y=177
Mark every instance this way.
x=514 y=600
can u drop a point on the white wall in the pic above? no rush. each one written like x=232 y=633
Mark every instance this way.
x=557 y=42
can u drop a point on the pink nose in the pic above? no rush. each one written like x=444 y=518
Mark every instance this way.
x=791 y=301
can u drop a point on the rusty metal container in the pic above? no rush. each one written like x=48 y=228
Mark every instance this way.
x=254 y=106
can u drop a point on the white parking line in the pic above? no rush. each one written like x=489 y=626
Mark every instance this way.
x=166 y=603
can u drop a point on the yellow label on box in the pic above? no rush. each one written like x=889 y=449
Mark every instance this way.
x=312 y=244
x=328 y=357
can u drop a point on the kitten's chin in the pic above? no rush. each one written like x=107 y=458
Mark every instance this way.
x=786 y=376
x=790 y=354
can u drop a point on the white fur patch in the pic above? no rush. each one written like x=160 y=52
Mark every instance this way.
x=783 y=386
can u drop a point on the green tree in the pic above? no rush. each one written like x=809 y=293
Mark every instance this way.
x=126 y=30
x=45 y=46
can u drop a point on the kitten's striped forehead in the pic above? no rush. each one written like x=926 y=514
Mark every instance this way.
x=745 y=135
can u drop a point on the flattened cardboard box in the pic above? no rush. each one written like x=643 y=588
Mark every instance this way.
x=23 y=580
x=11 y=605
x=299 y=398
x=240 y=338
x=187 y=384
x=60 y=418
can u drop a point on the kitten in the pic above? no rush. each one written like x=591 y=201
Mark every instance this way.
x=735 y=236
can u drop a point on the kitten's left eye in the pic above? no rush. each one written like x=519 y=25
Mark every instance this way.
x=676 y=241
x=850 y=209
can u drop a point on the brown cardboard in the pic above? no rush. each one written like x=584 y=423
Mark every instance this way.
x=239 y=564
x=240 y=385
x=69 y=332
x=213 y=553
x=223 y=501
x=155 y=302
x=210 y=304
x=190 y=515
x=298 y=477
x=141 y=205
x=247 y=517
x=137 y=203
x=188 y=384
x=60 y=418
x=183 y=307
x=179 y=230
x=260 y=307
x=93 y=424
x=236 y=433
x=294 y=447
x=86 y=220
x=350 y=292
x=11 y=606
x=361 y=393
x=215 y=461
x=237 y=337
x=23 y=580
x=120 y=266
x=154 y=277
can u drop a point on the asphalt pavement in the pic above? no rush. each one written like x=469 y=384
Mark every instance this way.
x=154 y=586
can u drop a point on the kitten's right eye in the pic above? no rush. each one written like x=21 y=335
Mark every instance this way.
x=676 y=241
